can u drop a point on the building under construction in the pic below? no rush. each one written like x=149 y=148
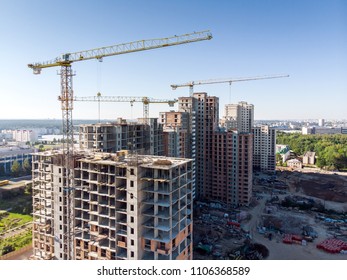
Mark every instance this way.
x=177 y=134
x=138 y=136
x=125 y=207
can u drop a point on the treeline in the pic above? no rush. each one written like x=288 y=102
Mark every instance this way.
x=17 y=169
x=331 y=150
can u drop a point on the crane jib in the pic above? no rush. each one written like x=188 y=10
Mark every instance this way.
x=67 y=59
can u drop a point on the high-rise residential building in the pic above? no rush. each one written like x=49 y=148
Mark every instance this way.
x=223 y=158
x=177 y=135
x=232 y=167
x=321 y=122
x=264 y=148
x=123 y=135
x=245 y=168
x=204 y=119
x=239 y=116
x=126 y=206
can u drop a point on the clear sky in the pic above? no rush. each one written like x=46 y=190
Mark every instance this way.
x=305 y=39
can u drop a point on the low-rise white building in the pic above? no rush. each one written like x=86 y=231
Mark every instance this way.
x=309 y=158
x=284 y=151
x=294 y=163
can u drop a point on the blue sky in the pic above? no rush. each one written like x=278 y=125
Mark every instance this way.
x=305 y=39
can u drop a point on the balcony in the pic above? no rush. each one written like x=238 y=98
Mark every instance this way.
x=148 y=176
x=163 y=251
x=122 y=244
x=161 y=237
x=122 y=232
x=103 y=202
x=122 y=220
x=149 y=200
x=121 y=187
x=122 y=254
x=164 y=214
x=163 y=190
x=149 y=223
x=149 y=212
x=148 y=255
x=121 y=198
x=121 y=210
x=163 y=225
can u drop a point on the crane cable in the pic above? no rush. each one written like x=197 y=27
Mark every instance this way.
x=98 y=85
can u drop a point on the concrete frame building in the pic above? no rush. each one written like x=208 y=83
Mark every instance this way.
x=264 y=148
x=125 y=207
x=123 y=135
x=177 y=135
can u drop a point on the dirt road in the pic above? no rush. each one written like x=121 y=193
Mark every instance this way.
x=280 y=251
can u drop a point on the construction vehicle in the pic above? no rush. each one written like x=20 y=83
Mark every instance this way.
x=226 y=80
x=67 y=97
x=131 y=99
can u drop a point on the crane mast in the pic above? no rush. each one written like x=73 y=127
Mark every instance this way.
x=226 y=80
x=66 y=98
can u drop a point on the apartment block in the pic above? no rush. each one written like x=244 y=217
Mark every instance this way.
x=232 y=168
x=264 y=148
x=177 y=135
x=123 y=134
x=245 y=168
x=239 y=116
x=126 y=206
x=24 y=135
x=204 y=112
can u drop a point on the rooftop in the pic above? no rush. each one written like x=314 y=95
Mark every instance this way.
x=123 y=158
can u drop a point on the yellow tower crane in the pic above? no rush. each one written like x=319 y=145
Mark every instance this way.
x=227 y=80
x=66 y=97
x=131 y=99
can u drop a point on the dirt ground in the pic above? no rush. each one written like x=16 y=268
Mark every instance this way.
x=329 y=189
x=327 y=186
x=280 y=251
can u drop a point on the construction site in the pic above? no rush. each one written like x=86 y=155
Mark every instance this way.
x=98 y=202
x=293 y=215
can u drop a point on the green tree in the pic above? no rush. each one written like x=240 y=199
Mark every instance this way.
x=331 y=150
x=7 y=249
x=16 y=168
x=28 y=188
x=41 y=148
x=27 y=166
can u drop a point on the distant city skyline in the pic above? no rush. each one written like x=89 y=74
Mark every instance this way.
x=305 y=39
